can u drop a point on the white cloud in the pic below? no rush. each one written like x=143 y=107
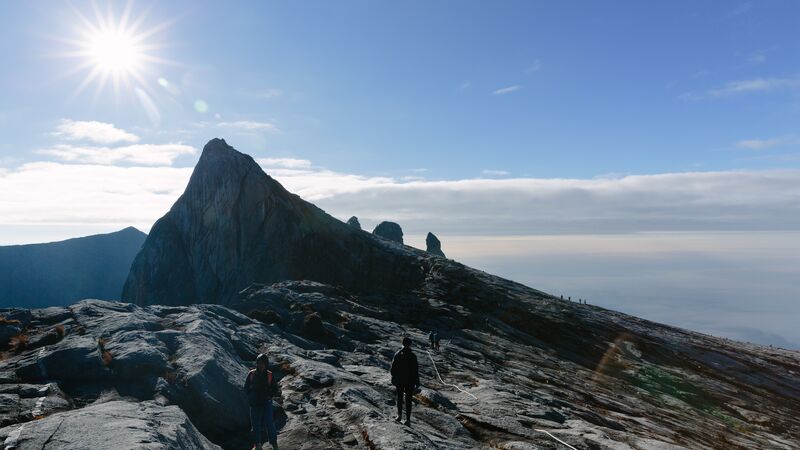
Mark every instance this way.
x=534 y=67
x=492 y=172
x=98 y=132
x=143 y=154
x=285 y=163
x=249 y=125
x=743 y=87
x=506 y=90
x=50 y=193
x=761 y=144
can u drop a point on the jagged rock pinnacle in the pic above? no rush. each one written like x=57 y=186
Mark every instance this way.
x=433 y=244
x=353 y=221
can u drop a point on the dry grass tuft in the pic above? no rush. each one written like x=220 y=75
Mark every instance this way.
x=18 y=343
x=4 y=321
x=107 y=358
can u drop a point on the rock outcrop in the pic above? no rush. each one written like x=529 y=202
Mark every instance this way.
x=433 y=244
x=114 y=424
x=234 y=225
x=353 y=222
x=390 y=231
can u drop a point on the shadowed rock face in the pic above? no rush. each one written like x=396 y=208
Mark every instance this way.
x=235 y=225
x=433 y=244
x=60 y=273
x=353 y=221
x=389 y=230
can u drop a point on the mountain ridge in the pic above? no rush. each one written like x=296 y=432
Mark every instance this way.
x=61 y=272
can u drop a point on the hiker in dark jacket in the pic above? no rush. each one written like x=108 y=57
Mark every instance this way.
x=260 y=387
x=405 y=376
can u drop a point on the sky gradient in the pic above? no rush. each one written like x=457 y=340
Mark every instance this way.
x=645 y=156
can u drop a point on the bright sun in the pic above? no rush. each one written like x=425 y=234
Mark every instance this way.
x=114 y=50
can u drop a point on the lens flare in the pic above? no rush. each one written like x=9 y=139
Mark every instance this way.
x=114 y=49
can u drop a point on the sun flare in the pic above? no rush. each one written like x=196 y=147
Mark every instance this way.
x=115 y=50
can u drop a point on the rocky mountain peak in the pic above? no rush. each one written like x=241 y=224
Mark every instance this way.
x=234 y=225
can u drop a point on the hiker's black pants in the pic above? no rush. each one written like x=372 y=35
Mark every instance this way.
x=409 y=392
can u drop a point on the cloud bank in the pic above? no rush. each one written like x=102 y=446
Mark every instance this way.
x=91 y=188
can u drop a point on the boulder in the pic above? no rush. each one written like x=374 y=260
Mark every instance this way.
x=115 y=424
x=353 y=222
x=77 y=359
x=390 y=231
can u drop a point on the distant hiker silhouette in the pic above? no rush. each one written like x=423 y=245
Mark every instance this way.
x=436 y=339
x=405 y=377
x=260 y=387
x=432 y=336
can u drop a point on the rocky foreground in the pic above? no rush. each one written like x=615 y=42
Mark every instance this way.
x=114 y=375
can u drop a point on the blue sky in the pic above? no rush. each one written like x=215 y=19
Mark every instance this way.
x=669 y=125
x=385 y=88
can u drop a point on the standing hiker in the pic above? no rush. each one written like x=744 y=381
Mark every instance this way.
x=260 y=387
x=405 y=377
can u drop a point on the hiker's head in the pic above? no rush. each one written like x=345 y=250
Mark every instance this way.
x=262 y=361
x=406 y=342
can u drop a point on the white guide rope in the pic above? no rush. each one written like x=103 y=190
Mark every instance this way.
x=476 y=399
x=442 y=381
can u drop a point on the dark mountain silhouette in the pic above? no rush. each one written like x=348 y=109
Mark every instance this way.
x=235 y=225
x=518 y=368
x=59 y=273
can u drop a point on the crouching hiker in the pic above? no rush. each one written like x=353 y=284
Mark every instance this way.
x=260 y=387
x=405 y=377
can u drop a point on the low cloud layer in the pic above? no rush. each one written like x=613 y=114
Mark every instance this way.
x=721 y=201
x=730 y=200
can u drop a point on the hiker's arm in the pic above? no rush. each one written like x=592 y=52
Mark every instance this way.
x=273 y=387
x=247 y=383
x=416 y=372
